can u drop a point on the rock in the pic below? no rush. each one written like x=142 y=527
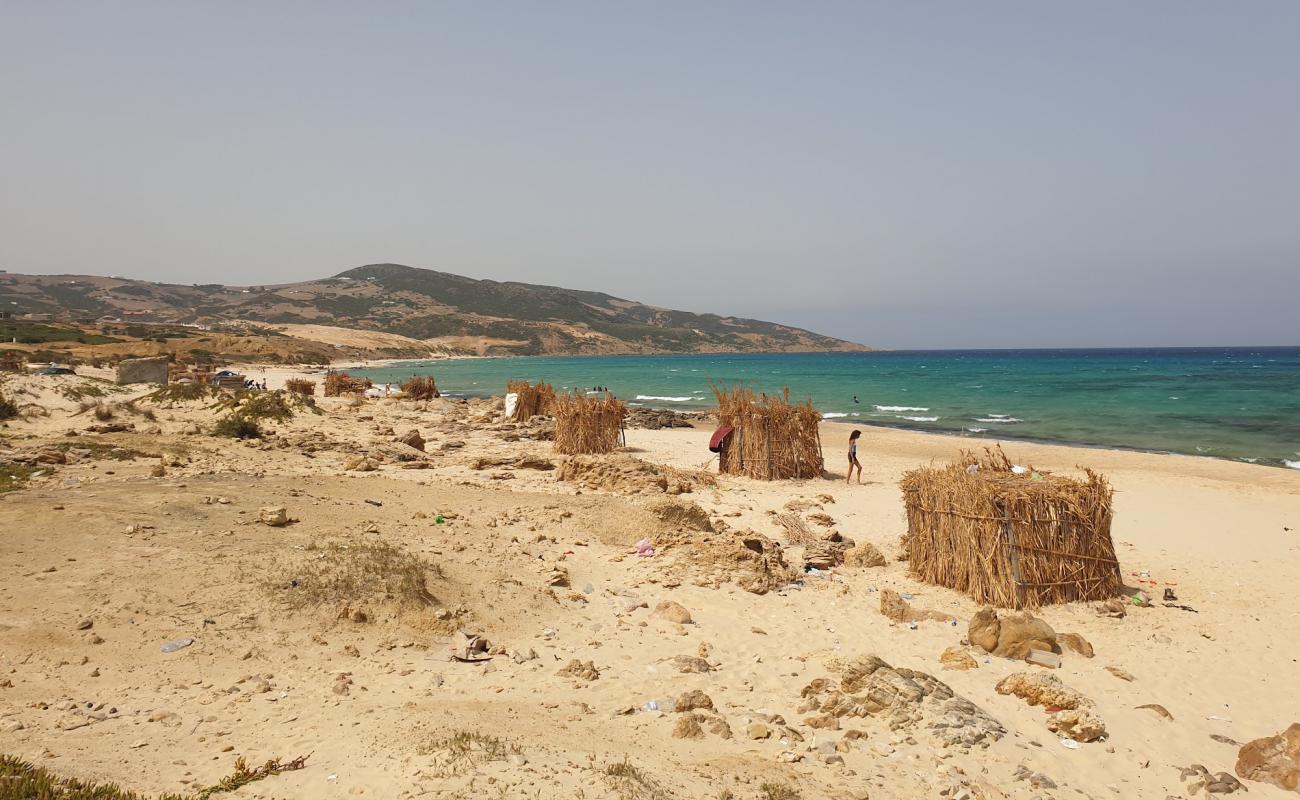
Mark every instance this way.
x=687 y=664
x=275 y=516
x=361 y=464
x=1074 y=715
x=86 y=624
x=905 y=699
x=1012 y=636
x=864 y=554
x=1036 y=779
x=1120 y=673
x=893 y=606
x=1076 y=643
x=584 y=670
x=957 y=658
x=757 y=730
x=719 y=727
x=1198 y=777
x=161 y=715
x=983 y=629
x=1273 y=759
x=157 y=471
x=688 y=727
x=1113 y=607
x=692 y=701
x=412 y=438
x=673 y=612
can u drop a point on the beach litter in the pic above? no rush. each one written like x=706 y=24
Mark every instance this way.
x=175 y=644
x=644 y=548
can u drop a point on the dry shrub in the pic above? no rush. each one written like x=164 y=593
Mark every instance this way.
x=20 y=780
x=1009 y=539
x=341 y=383
x=630 y=783
x=586 y=424
x=257 y=405
x=175 y=393
x=8 y=408
x=772 y=438
x=350 y=574
x=421 y=387
x=531 y=400
x=300 y=386
x=464 y=751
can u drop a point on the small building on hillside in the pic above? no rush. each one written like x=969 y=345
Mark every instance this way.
x=143 y=370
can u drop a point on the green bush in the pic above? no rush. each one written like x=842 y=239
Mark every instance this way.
x=237 y=426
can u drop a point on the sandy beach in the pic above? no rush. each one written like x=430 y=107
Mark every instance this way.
x=310 y=638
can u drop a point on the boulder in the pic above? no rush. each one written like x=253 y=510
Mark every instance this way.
x=275 y=516
x=1075 y=643
x=983 y=629
x=690 y=664
x=412 y=438
x=585 y=670
x=1012 y=636
x=1273 y=759
x=687 y=727
x=864 y=554
x=673 y=612
x=1069 y=713
x=693 y=700
x=957 y=658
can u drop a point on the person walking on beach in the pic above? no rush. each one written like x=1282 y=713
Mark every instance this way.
x=853 y=457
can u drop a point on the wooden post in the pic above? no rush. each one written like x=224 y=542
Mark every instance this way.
x=1009 y=534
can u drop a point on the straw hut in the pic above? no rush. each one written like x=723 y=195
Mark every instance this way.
x=586 y=424
x=766 y=436
x=530 y=400
x=301 y=387
x=340 y=383
x=1010 y=537
x=421 y=387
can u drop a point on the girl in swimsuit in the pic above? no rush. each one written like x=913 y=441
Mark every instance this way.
x=853 y=457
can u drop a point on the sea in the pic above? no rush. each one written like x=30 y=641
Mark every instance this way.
x=1241 y=404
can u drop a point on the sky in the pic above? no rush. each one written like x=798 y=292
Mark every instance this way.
x=904 y=175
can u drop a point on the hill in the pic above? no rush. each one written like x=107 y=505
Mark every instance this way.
x=410 y=309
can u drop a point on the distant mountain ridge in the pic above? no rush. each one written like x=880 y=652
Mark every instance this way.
x=448 y=313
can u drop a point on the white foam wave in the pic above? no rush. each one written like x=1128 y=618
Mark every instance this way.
x=999 y=420
x=665 y=399
x=977 y=430
x=901 y=408
x=833 y=415
x=1292 y=464
x=919 y=419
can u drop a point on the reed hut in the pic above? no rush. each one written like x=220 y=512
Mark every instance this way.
x=301 y=387
x=1012 y=538
x=585 y=424
x=530 y=400
x=421 y=387
x=340 y=383
x=766 y=436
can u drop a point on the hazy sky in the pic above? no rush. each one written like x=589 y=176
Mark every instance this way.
x=911 y=174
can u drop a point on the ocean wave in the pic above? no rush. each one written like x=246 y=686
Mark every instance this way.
x=999 y=420
x=977 y=430
x=919 y=419
x=833 y=415
x=1292 y=464
x=665 y=399
x=901 y=408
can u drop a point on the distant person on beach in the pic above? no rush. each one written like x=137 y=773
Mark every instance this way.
x=853 y=457
x=855 y=399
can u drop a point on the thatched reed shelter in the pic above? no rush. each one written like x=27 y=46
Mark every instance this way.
x=301 y=387
x=421 y=387
x=1013 y=538
x=341 y=383
x=766 y=436
x=530 y=400
x=585 y=424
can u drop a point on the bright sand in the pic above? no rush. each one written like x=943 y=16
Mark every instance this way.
x=1214 y=531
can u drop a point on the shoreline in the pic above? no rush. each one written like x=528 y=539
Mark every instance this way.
x=276 y=375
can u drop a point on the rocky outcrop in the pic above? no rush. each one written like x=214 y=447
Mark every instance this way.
x=680 y=513
x=583 y=670
x=864 y=554
x=1070 y=713
x=905 y=699
x=673 y=611
x=1273 y=759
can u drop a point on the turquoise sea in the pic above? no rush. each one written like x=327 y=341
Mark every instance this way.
x=1234 y=403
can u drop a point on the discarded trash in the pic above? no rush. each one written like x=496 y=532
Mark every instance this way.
x=438 y=520
x=374 y=502
x=1219 y=719
x=644 y=548
x=651 y=705
x=549 y=633
x=1141 y=599
x=972 y=469
x=906 y=595
x=588 y=589
x=176 y=644
x=1070 y=743
x=1169 y=594
x=1019 y=470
